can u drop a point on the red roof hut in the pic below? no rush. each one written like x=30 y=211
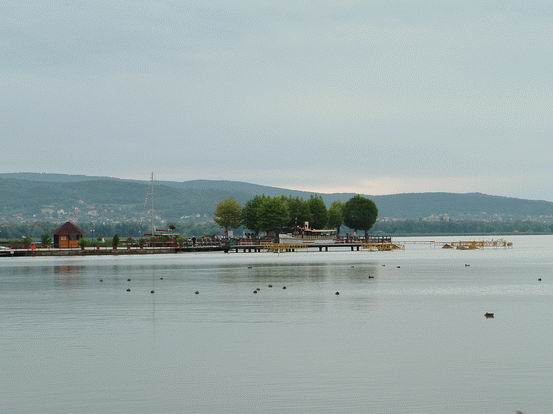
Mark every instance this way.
x=67 y=236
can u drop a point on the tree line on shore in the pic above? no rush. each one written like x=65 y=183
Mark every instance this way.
x=275 y=214
x=272 y=214
x=12 y=232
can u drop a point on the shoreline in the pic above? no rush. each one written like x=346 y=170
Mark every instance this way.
x=469 y=234
x=107 y=252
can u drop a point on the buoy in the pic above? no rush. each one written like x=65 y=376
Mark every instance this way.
x=151 y=291
x=467 y=265
x=255 y=291
x=352 y=267
x=196 y=292
x=128 y=290
x=160 y=278
x=383 y=265
x=489 y=315
x=249 y=267
x=283 y=287
x=371 y=277
x=128 y=280
x=337 y=293
x=270 y=285
x=539 y=279
x=399 y=267
x=101 y=280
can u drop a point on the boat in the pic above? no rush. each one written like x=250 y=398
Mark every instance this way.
x=306 y=235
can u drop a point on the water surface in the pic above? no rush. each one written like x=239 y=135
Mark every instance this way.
x=411 y=340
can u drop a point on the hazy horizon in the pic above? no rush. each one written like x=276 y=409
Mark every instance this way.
x=367 y=97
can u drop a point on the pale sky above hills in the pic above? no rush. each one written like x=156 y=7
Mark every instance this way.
x=368 y=96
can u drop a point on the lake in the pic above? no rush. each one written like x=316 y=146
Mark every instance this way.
x=413 y=339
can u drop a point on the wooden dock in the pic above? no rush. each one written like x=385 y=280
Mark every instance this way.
x=292 y=247
x=358 y=245
x=109 y=251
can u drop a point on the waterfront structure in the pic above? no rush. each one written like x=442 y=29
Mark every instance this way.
x=307 y=235
x=67 y=236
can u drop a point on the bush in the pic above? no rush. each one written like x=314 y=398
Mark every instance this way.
x=115 y=242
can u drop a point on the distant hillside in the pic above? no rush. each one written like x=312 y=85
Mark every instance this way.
x=31 y=196
x=52 y=178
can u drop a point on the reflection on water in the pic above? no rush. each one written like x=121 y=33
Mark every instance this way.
x=412 y=339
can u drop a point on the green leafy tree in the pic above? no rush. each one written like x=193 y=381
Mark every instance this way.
x=45 y=240
x=360 y=213
x=228 y=214
x=335 y=216
x=130 y=242
x=82 y=243
x=141 y=242
x=319 y=214
x=115 y=241
x=250 y=213
x=298 y=210
x=272 y=214
x=27 y=242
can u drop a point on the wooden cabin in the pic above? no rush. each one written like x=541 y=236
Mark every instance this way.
x=67 y=236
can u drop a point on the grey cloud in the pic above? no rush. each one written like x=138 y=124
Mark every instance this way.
x=284 y=93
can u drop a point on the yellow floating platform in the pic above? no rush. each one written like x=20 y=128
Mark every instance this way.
x=478 y=244
x=383 y=247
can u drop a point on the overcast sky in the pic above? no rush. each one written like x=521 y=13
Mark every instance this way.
x=368 y=96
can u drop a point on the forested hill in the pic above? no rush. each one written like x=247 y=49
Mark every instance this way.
x=30 y=196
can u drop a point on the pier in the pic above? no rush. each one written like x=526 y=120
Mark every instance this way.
x=292 y=247
x=109 y=251
x=262 y=247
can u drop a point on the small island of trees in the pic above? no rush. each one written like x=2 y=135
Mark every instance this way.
x=283 y=213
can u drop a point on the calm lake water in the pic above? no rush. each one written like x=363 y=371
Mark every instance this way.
x=412 y=340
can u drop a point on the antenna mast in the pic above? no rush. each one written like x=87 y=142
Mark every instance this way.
x=152 y=211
